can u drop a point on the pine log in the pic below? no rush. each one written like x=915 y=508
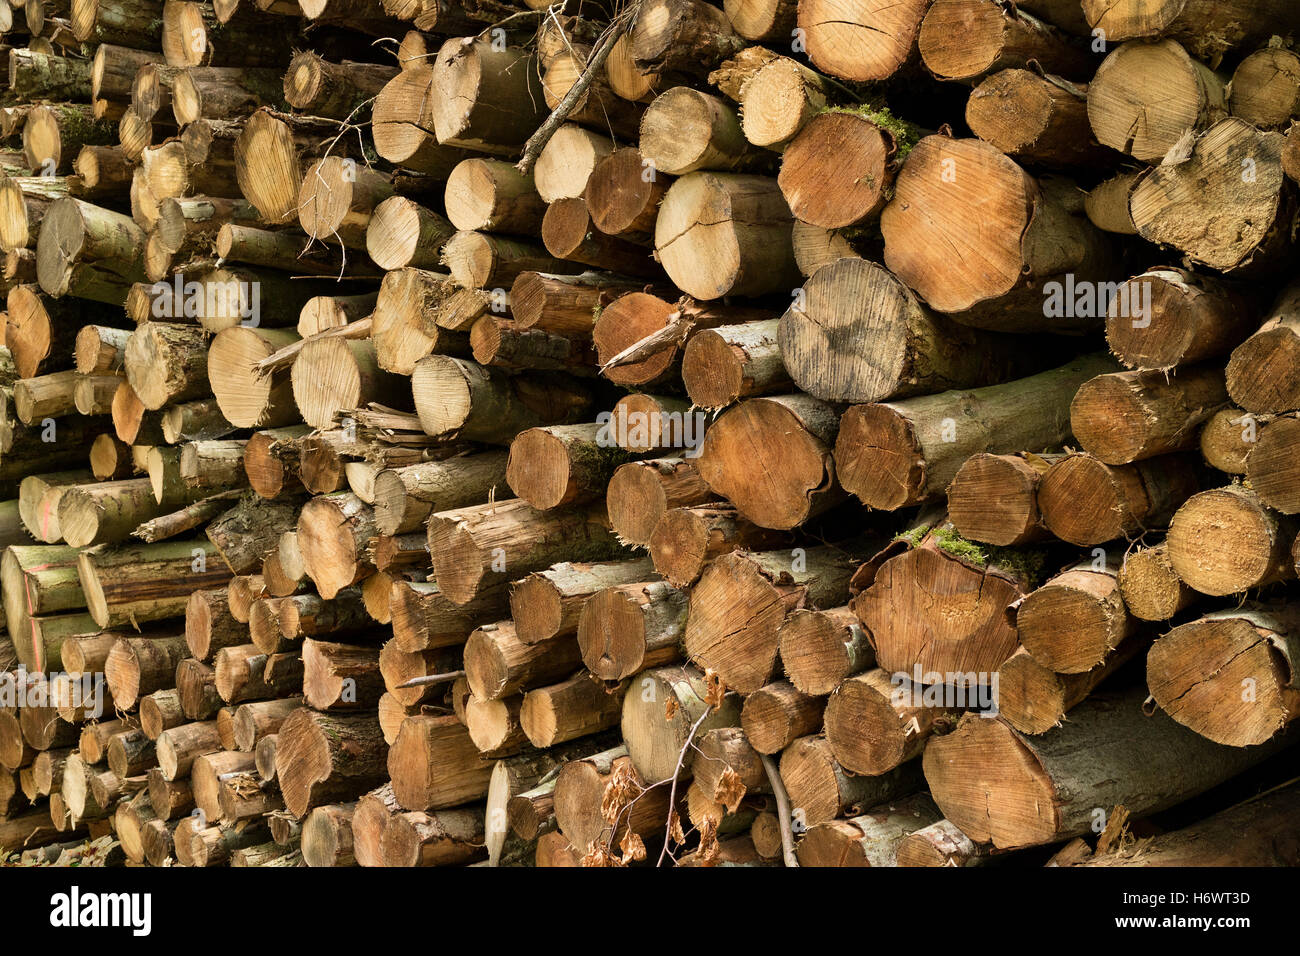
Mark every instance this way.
x=640 y=493
x=1227 y=439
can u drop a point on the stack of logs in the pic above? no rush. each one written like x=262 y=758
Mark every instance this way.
x=625 y=432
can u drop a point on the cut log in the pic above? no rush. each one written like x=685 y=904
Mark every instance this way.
x=726 y=234
x=1171 y=317
x=820 y=649
x=1076 y=620
x=1167 y=212
x=582 y=796
x=640 y=493
x=498 y=664
x=332 y=533
x=870 y=40
x=491 y=195
x=905 y=623
x=1000 y=786
x=741 y=600
x=839 y=171
x=778 y=99
x=567 y=161
x=1209 y=29
x=796 y=482
x=1265 y=88
x=489 y=98
x=896 y=454
x=1261 y=370
x=623 y=194
x=944 y=252
x=320 y=88
x=1086 y=502
x=557 y=465
x=1041 y=120
x=568 y=235
x=150 y=582
x=968 y=39
x=434 y=764
x=685 y=540
x=821 y=790
x=778 y=713
x=993 y=499
x=872 y=839
x=1270 y=465
x=627 y=627
x=320 y=758
x=139 y=666
x=1150 y=586
x=480 y=547
x=1227 y=439
x=340 y=676
x=920 y=352
x=1124 y=417
x=1226 y=540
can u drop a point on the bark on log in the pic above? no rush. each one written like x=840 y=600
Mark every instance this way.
x=820 y=789
x=895 y=454
x=321 y=758
x=1014 y=791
